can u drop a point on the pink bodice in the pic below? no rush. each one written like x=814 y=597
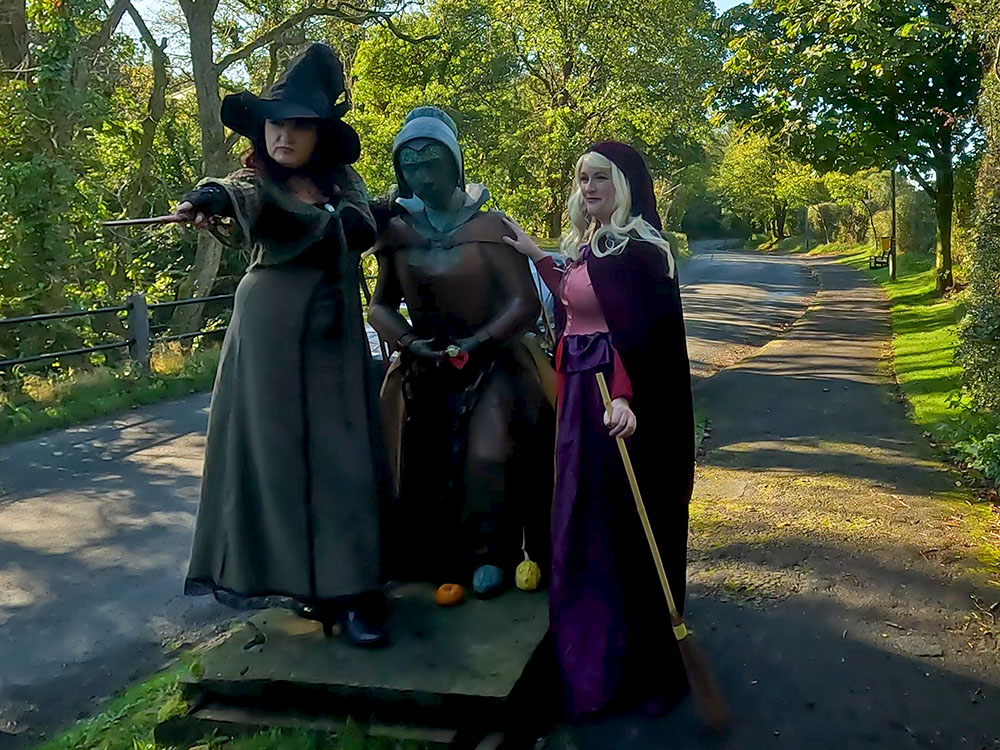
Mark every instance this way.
x=583 y=311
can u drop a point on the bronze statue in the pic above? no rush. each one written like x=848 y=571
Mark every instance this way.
x=467 y=419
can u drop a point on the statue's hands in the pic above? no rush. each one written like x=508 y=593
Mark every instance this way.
x=521 y=242
x=470 y=344
x=423 y=348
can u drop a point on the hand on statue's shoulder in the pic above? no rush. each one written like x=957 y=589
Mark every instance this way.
x=384 y=208
x=393 y=233
x=490 y=227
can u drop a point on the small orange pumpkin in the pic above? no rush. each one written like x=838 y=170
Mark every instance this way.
x=449 y=595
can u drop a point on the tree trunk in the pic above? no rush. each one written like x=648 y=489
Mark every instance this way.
x=13 y=33
x=871 y=220
x=822 y=223
x=154 y=113
x=554 y=222
x=214 y=155
x=944 y=204
x=780 y=213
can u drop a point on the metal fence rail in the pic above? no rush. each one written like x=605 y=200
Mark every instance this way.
x=137 y=324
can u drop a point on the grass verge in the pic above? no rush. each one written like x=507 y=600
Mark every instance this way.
x=129 y=721
x=33 y=404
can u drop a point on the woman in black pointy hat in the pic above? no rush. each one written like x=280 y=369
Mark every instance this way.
x=292 y=486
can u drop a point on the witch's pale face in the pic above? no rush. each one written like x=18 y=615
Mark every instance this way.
x=598 y=192
x=290 y=143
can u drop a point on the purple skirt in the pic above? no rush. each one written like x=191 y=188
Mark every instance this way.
x=600 y=596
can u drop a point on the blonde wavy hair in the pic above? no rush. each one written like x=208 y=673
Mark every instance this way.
x=610 y=239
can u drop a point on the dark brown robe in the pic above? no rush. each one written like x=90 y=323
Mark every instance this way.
x=470 y=448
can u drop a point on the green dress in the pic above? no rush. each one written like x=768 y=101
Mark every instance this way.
x=290 y=496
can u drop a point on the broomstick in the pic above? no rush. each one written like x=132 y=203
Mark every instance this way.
x=707 y=695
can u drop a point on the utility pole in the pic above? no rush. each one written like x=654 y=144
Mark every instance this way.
x=805 y=226
x=892 y=232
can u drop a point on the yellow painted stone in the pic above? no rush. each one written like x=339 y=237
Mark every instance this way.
x=528 y=575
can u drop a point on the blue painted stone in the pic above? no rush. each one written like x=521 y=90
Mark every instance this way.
x=487 y=580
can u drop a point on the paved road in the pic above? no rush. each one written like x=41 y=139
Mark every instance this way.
x=832 y=572
x=95 y=525
x=95 y=522
x=734 y=302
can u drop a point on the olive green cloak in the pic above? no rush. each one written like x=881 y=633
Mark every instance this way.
x=291 y=489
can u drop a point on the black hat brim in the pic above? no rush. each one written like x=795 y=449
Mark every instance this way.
x=348 y=144
x=245 y=114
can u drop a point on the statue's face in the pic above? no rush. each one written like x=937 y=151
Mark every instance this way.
x=430 y=172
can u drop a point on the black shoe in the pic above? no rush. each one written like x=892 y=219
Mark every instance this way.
x=363 y=632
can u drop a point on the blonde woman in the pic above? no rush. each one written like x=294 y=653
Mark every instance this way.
x=618 y=311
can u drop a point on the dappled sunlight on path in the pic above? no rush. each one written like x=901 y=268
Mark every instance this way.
x=95 y=528
x=826 y=536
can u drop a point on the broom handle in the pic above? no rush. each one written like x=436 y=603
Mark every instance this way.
x=680 y=630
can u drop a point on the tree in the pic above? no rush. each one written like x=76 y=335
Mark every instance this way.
x=606 y=68
x=274 y=30
x=13 y=33
x=758 y=182
x=532 y=83
x=858 y=193
x=865 y=84
x=979 y=350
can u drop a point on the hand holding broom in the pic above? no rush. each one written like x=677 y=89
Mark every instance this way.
x=706 y=692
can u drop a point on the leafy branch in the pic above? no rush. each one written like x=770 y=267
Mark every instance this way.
x=342 y=11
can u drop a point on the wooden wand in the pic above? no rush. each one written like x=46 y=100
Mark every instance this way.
x=168 y=219
x=707 y=695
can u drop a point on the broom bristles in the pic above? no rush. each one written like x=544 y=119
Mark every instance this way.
x=704 y=689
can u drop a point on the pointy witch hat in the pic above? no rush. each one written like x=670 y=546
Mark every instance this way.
x=312 y=87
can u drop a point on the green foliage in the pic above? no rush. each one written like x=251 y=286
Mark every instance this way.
x=851 y=85
x=856 y=85
x=128 y=724
x=755 y=179
x=679 y=245
x=745 y=177
x=982 y=454
x=980 y=348
x=797 y=185
x=69 y=154
x=531 y=85
x=853 y=196
x=31 y=403
x=129 y=721
x=915 y=222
